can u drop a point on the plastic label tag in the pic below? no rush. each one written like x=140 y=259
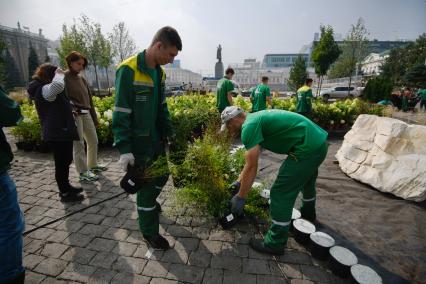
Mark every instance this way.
x=131 y=182
x=230 y=217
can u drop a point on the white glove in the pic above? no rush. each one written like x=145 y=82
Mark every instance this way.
x=125 y=160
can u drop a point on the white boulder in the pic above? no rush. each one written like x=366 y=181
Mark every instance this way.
x=388 y=154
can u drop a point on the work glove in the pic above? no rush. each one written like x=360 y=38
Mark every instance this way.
x=237 y=205
x=125 y=160
x=234 y=187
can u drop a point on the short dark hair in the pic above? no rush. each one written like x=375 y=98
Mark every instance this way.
x=45 y=73
x=264 y=78
x=229 y=70
x=168 y=36
x=74 y=56
x=309 y=80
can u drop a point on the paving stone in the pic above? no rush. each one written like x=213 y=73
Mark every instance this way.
x=162 y=281
x=92 y=219
x=70 y=226
x=214 y=247
x=221 y=235
x=258 y=255
x=270 y=279
x=78 y=255
x=184 y=273
x=41 y=234
x=34 y=246
x=116 y=234
x=129 y=278
x=102 y=275
x=256 y=266
x=184 y=221
x=232 y=277
x=179 y=231
x=135 y=237
x=104 y=260
x=77 y=272
x=58 y=236
x=295 y=257
x=129 y=264
x=99 y=244
x=226 y=262
x=188 y=244
x=79 y=240
x=213 y=276
x=300 y=281
x=51 y=266
x=109 y=211
x=156 y=268
x=54 y=213
x=93 y=230
x=234 y=249
x=175 y=256
x=130 y=225
x=142 y=252
x=54 y=280
x=199 y=258
x=125 y=249
x=167 y=221
x=33 y=278
x=32 y=260
x=290 y=270
x=314 y=273
x=54 y=250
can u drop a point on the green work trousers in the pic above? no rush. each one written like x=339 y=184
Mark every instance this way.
x=295 y=175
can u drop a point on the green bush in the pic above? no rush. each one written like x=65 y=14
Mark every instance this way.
x=377 y=89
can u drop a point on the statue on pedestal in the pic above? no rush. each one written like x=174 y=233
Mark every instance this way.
x=218 y=70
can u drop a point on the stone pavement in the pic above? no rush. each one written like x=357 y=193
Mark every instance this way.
x=102 y=244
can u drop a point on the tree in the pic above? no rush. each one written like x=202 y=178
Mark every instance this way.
x=122 y=43
x=355 y=48
x=71 y=40
x=106 y=56
x=402 y=59
x=377 y=89
x=325 y=53
x=3 y=49
x=416 y=76
x=298 y=74
x=33 y=62
x=12 y=76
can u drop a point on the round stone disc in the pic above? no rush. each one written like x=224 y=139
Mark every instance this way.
x=322 y=239
x=365 y=275
x=304 y=226
x=343 y=255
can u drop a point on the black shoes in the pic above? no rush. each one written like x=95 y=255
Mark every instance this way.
x=260 y=246
x=74 y=189
x=71 y=197
x=157 y=242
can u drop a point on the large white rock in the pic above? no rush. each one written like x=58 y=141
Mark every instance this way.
x=388 y=154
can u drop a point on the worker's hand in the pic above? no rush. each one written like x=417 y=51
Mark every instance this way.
x=237 y=205
x=234 y=187
x=125 y=160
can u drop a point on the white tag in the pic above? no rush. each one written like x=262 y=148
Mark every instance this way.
x=131 y=182
x=230 y=217
x=149 y=253
x=266 y=193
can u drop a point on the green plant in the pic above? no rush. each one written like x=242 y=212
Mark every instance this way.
x=377 y=89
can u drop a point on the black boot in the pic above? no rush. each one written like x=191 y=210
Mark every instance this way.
x=260 y=246
x=158 y=205
x=71 y=197
x=157 y=242
x=74 y=189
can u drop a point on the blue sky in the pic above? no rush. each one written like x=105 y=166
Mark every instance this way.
x=244 y=28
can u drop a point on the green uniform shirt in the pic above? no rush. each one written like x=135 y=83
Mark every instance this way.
x=154 y=76
x=422 y=94
x=10 y=115
x=224 y=86
x=259 y=96
x=304 y=96
x=282 y=132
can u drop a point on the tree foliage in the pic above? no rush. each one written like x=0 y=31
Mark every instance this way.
x=33 y=62
x=377 y=89
x=298 y=74
x=325 y=52
x=122 y=43
x=71 y=40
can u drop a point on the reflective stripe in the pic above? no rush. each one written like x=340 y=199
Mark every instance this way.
x=307 y=200
x=283 y=224
x=139 y=83
x=123 y=109
x=158 y=187
x=147 y=208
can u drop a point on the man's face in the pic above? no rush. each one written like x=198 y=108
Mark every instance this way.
x=234 y=126
x=310 y=84
x=165 y=54
x=229 y=76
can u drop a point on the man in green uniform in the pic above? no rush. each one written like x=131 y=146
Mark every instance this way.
x=281 y=132
x=224 y=90
x=141 y=123
x=304 y=96
x=422 y=94
x=260 y=96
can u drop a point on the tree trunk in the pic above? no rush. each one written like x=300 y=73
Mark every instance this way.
x=320 y=86
x=349 y=88
x=319 y=80
x=106 y=70
x=97 y=79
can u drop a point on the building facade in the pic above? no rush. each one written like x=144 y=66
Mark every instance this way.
x=283 y=60
x=372 y=63
x=18 y=41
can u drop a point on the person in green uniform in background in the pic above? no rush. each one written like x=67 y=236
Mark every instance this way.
x=224 y=90
x=281 y=132
x=304 y=97
x=260 y=95
x=141 y=123
x=405 y=96
x=422 y=94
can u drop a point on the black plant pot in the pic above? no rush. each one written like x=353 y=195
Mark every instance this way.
x=341 y=260
x=20 y=145
x=362 y=274
x=302 y=229
x=321 y=244
x=28 y=146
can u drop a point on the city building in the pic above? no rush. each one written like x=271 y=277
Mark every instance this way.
x=283 y=60
x=18 y=41
x=176 y=75
x=372 y=63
